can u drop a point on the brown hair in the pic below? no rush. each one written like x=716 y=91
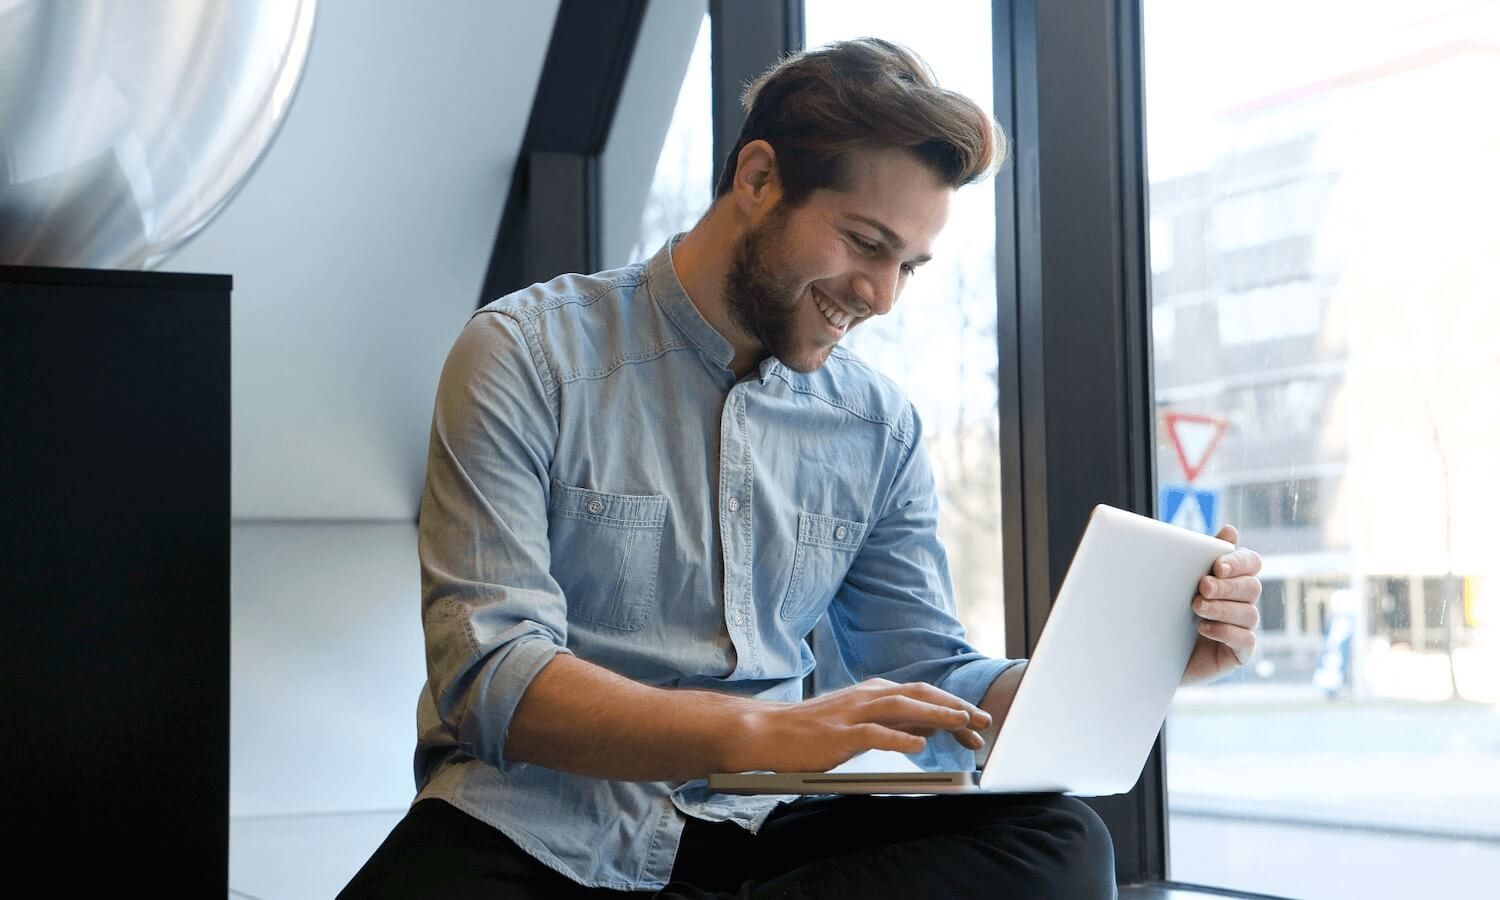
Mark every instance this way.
x=816 y=106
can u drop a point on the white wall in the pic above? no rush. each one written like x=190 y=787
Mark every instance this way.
x=326 y=663
x=359 y=245
x=358 y=248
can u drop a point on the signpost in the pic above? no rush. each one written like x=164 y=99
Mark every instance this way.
x=1194 y=438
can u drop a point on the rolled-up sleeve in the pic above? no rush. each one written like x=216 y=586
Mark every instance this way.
x=894 y=616
x=492 y=614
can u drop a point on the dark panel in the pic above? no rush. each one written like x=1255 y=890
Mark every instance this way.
x=114 y=547
x=1075 y=390
x=587 y=57
x=562 y=234
x=747 y=39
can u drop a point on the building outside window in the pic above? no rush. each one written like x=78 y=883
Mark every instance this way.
x=1331 y=299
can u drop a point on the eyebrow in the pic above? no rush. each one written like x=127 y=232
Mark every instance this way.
x=889 y=236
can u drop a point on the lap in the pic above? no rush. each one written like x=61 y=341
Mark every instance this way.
x=437 y=850
x=1042 y=845
x=995 y=846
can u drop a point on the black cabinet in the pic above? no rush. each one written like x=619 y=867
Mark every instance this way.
x=114 y=578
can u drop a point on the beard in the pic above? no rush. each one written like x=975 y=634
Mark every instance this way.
x=760 y=302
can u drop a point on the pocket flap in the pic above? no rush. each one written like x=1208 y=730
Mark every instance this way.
x=828 y=531
x=625 y=510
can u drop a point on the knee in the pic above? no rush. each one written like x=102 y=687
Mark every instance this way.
x=1048 y=846
x=1082 y=857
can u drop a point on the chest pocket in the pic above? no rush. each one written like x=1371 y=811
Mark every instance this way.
x=606 y=549
x=825 y=550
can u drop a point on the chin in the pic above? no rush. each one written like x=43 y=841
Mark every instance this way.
x=809 y=362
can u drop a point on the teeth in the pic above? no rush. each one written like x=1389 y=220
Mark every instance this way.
x=833 y=314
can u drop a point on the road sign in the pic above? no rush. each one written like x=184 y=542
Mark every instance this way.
x=1190 y=508
x=1194 y=438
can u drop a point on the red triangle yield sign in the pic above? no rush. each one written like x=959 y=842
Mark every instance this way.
x=1194 y=438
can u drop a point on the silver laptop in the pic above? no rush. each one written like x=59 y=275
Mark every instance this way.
x=1097 y=689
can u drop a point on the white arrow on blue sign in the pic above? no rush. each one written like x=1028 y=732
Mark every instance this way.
x=1190 y=508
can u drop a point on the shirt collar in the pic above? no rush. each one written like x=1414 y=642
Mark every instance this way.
x=666 y=288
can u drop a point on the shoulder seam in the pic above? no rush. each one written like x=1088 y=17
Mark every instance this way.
x=539 y=359
x=534 y=311
x=900 y=430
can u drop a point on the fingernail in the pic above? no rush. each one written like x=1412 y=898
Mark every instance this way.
x=1223 y=568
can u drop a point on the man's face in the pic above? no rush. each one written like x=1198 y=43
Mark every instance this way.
x=801 y=278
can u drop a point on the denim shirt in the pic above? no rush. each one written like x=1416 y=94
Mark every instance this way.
x=600 y=483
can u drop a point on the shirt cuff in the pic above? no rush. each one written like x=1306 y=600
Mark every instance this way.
x=524 y=658
x=971 y=680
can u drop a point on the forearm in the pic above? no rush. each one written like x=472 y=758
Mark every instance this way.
x=578 y=717
x=997 y=700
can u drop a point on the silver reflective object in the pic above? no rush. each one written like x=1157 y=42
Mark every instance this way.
x=126 y=125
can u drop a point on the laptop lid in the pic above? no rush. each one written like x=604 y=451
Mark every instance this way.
x=1109 y=660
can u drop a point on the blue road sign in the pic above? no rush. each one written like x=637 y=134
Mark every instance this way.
x=1190 y=507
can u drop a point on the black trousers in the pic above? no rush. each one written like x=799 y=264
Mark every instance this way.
x=1026 y=846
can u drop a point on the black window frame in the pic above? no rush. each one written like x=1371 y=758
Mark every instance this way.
x=1074 y=338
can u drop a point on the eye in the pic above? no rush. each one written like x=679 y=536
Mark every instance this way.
x=908 y=269
x=864 y=245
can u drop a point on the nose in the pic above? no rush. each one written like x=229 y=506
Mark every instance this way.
x=878 y=288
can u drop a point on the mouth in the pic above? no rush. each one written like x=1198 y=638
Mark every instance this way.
x=838 y=317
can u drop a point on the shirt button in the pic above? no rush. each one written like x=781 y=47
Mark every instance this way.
x=734 y=504
x=841 y=532
x=739 y=619
x=596 y=506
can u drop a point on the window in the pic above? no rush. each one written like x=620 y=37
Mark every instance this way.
x=939 y=342
x=1267 y=214
x=1269 y=313
x=1334 y=195
x=682 y=187
x=1275 y=504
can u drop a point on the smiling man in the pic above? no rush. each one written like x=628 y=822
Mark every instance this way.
x=646 y=486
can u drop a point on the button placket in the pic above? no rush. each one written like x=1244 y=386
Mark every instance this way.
x=736 y=529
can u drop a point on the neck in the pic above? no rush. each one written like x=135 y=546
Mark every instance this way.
x=702 y=259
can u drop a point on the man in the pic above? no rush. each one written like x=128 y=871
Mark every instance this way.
x=646 y=486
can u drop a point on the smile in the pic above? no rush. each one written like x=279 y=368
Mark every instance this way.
x=836 y=315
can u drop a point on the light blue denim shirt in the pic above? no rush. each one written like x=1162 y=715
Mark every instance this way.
x=600 y=483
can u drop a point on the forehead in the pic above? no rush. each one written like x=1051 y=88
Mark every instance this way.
x=895 y=189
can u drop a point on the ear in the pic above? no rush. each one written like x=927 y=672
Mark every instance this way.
x=757 y=180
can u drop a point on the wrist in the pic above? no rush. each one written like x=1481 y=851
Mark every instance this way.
x=743 y=735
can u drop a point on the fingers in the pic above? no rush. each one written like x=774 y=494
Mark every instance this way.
x=1239 y=640
x=915 y=716
x=1229 y=533
x=1238 y=562
x=932 y=696
x=1243 y=588
x=878 y=737
x=1229 y=612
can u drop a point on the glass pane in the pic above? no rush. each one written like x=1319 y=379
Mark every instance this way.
x=682 y=185
x=1325 y=268
x=939 y=342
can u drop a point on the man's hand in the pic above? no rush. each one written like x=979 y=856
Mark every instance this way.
x=1227 y=616
x=818 y=734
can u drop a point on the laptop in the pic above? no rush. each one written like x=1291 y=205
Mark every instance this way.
x=1097 y=688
